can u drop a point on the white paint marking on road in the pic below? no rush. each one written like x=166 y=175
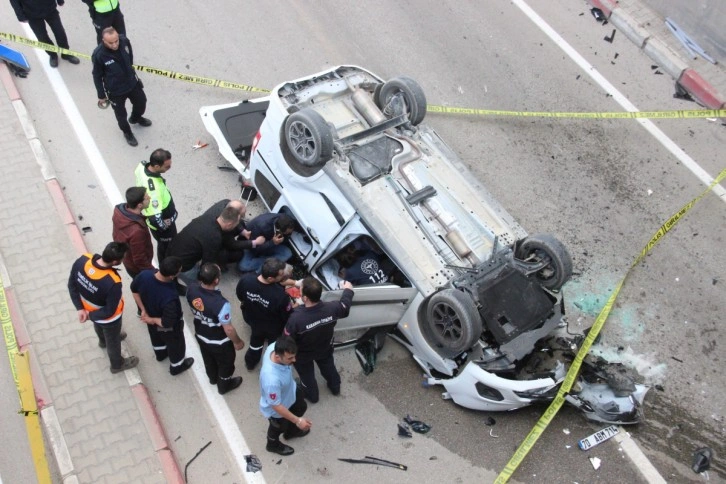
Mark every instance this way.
x=668 y=143
x=218 y=407
x=630 y=448
x=647 y=470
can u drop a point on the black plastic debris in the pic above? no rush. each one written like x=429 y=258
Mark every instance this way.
x=418 y=426
x=610 y=38
x=598 y=14
x=660 y=388
x=375 y=461
x=658 y=73
x=681 y=93
x=403 y=431
x=253 y=463
x=653 y=67
x=490 y=421
x=702 y=460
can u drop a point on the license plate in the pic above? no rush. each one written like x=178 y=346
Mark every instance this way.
x=598 y=437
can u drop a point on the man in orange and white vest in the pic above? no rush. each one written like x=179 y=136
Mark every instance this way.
x=95 y=288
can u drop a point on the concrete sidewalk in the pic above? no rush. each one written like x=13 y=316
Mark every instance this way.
x=645 y=27
x=101 y=427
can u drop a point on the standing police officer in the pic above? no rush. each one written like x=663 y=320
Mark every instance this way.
x=105 y=13
x=38 y=13
x=116 y=80
x=161 y=213
x=217 y=338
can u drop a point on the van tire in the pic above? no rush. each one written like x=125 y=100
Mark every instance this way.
x=309 y=138
x=452 y=323
x=542 y=246
x=413 y=97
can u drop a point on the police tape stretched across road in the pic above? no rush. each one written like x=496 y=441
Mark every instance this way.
x=569 y=380
x=431 y=108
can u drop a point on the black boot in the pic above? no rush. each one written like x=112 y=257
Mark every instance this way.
x=186 y=364
x=279 y=448
x=224 y=386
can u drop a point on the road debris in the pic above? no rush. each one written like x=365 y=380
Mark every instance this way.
x=595 y=462
x=598 y=14
x=611 y=37
x=701 y=460
x=375 y=461
x=491 y=434
x=490 y=421
x=403 y=431
x=418 y=426
x=693 y=48
x=195 y=456
x=253 y=463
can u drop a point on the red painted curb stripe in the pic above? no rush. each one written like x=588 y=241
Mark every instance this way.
x=169 y=465
x=7 y=80
x=151 y=418
x=700 y=89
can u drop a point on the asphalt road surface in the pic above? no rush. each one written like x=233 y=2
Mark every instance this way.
x=603 y=187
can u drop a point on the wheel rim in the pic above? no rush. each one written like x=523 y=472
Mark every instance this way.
x=302 y=141
x=446 y=322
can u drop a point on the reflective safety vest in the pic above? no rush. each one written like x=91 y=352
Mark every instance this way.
x=105 y=6
x=161 y=205
x=94 y=273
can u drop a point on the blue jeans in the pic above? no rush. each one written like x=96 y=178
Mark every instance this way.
x=253 y=259
x=190 y=276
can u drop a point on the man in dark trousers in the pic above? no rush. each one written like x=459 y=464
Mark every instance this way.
x=217 y=338
x=203 y=239
x=116 y=80
x=95 y=289
x=38 y=13
x=161 y=212
x=282 y=403
x=105 y=13
x=265 y=307
x=129 y=226
x=155 y=293
x=312 y=327
x=274 y=227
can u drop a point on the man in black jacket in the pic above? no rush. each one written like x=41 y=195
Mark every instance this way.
x=116 y=80
x=274 y=227
x=39 y=12
x=312 y=328
x=105 y=13
x=203 y=239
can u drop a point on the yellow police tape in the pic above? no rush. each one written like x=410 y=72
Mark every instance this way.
x=431 y=108
x=571 y=376
x=152 y=70
x=699 y=113
x=20 y=369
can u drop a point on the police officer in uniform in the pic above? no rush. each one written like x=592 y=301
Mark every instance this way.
x=156 y=296
x=105 y=13
x=95 y=289
x=116 y=81
x=161 y=213
x=217 y=338
x=38 y=13
x=265 y=307
x=312 y=328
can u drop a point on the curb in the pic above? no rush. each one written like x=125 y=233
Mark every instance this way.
x=169 y=465
x=699 y=89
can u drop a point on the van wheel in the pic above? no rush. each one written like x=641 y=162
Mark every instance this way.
x=402 y=94
x=309 y=138
x=452 y=322
x=546 y=248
